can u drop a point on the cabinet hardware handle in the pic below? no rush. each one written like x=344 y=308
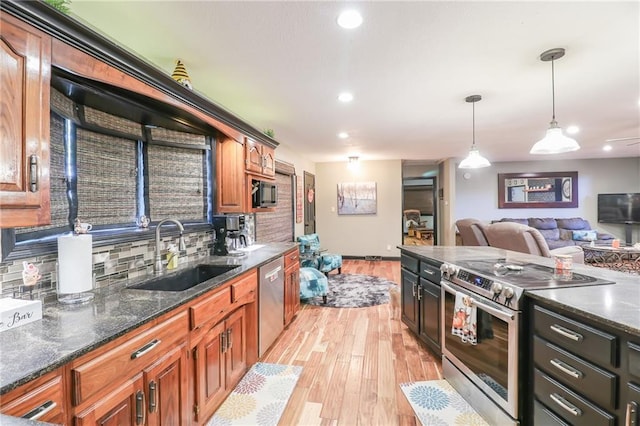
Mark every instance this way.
x=419 y=292
x=427 y=271
x=631 y=417
x=223 y=342
x=229 y=341
x=40 y=411
x=33 y=173
x=140 y=411
x=566 y=405
x=565 y=332
x=413 y=289
x=566 y=368
x=146 y=348
x=152 y=396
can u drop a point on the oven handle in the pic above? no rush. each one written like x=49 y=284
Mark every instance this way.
x=505 y=316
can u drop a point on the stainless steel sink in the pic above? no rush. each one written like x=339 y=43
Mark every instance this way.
x=184 y=280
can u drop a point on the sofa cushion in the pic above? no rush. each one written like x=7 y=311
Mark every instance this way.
x=604 y=236
x=573 y=223
x=550 y=234
x=521 y=221
x=584 y=235
x=541 y=223
x=554 y=244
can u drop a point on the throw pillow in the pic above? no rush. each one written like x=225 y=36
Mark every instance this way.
x=585 y=235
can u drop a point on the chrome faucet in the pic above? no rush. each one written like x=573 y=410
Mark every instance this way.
x=181 y=244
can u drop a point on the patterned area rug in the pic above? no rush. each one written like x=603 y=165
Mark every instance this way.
x=354 y=291
x=436 y=403
x=260 y=397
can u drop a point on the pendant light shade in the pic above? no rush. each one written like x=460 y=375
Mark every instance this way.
x=474 y=160
x=554 y=142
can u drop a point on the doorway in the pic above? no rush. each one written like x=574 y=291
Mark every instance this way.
x=309 y=203
x=420 y=194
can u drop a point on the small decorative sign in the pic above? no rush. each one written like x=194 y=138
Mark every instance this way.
x=17 y=312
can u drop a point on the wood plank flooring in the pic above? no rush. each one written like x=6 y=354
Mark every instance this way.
x=354 y=360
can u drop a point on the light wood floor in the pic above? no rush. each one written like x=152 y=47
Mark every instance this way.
x=354 y=360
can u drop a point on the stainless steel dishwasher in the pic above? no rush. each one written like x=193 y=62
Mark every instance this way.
x=271 y=306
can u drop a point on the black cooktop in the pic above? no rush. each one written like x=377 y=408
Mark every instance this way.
x=528 y=276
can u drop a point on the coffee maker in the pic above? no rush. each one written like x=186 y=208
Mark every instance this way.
x=220 y=235
x=229 y=235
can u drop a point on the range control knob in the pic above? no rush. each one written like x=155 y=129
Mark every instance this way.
x=496 y=288
x=507 y=292
x=447 y=269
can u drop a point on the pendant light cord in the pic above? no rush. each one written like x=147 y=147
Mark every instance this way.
x=473 y=125
x=553 y=92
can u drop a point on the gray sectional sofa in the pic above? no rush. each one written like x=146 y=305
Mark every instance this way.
x=562 y=232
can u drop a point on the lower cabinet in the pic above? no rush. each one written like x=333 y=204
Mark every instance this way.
x=291 y=285
x=43 y=400
x=220 y=360
x=430 y=314
x=124 y=405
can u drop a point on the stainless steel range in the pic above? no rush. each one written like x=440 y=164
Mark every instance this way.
x=483 y=361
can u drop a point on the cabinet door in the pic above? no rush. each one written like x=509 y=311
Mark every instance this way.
x=124 y=406
x=288 y=296
x=235 y=347
x=25 y=55
x=253 y=156
x=230 y=176
x=268 y=161
x=430 y=313
x=166 y=388
x=42 y=400
x=409 y=301
x=210 y=378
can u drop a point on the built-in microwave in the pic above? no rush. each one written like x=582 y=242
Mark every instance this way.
x=263 y=193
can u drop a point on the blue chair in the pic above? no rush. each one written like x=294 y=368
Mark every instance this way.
x=312 y=256
x=313 y=283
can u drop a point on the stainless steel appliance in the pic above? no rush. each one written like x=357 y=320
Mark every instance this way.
x=271 y=303
x=263 y=193
x=488 y=373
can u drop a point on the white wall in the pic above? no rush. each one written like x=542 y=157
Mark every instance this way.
x=477 y=196
x=360 y=235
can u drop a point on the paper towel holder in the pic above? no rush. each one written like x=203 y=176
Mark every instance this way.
x=74 y=298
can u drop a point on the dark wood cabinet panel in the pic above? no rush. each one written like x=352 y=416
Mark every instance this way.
x=231 y=190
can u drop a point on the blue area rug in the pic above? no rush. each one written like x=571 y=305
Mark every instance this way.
x=436 y=403
x=260 y=397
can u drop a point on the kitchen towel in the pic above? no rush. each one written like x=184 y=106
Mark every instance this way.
x=464 y=322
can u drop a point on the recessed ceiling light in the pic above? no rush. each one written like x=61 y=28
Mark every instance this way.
x=343 y=135
x=345 y=97
x=572 y=130
x=607 y=148
x=350 y=19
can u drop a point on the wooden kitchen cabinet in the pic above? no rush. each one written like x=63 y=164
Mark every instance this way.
x=259 y=159
x=124 y=405
x=42 y=399
x=291 y=285
x=25 y=74
x=219 y=362
x=231 y=191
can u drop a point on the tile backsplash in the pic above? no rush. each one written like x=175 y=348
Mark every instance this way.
x=110 y=263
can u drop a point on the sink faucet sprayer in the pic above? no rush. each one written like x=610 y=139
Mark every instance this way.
x=181 y=244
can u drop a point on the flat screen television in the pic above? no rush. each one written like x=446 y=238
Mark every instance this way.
x=619 y=208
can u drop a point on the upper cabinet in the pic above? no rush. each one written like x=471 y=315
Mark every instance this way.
x=25 y=73
x=259 y=159
x=231 y=195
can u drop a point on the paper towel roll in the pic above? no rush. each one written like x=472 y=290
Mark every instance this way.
x=75 y=265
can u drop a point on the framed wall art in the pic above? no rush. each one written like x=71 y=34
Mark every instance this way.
x=538 y=190
x=357 y=198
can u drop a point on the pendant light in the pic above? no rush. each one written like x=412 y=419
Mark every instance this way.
x=554 y=142
x=474 y=160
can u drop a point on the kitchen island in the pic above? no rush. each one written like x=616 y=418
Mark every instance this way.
x=68 y=333
x=570 y=340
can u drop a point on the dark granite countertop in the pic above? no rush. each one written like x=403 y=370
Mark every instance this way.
x=17 y=421
x=66 y=331
x=616 y=305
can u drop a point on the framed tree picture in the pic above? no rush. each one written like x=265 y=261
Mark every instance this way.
x=357 y=198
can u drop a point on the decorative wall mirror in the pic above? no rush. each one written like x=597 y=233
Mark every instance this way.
x=538 y=190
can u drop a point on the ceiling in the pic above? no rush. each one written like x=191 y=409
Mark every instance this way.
x=281 y=65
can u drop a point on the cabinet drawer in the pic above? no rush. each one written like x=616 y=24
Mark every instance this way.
x=430 y=271
x=578 y=338
x=542 y=416
x=214 y=307
x=633 y=359
x=409 y=263
x=244 y=290
x=291 y=257
x=568 y=405
x=593 y=382
x=132 y=353
x=42 y=399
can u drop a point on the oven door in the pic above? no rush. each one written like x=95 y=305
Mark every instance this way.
x=492 y=363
